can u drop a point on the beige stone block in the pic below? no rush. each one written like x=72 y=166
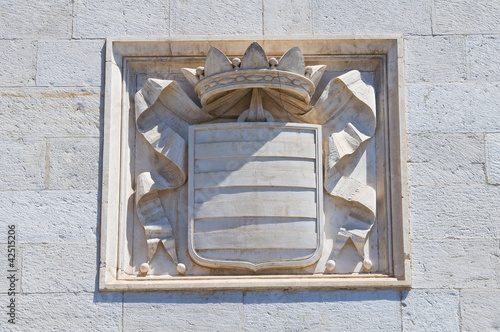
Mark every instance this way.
x=101 y=19
x=458 y=212
x=22 y=165
x=59 y=268
x=380 y=16
x=70 y=63
x=452 y=263
x=47 y=112
x=430 y=310
x=18 y=65
x=479 y=309
x=36 y=19
x=224 y=17
x=73 y=163
x=445 y=159
x=466 y=17
x=287 y=17
x=482 y=57
x=435 y=58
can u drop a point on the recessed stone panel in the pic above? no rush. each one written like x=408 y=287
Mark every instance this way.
x=254 y=164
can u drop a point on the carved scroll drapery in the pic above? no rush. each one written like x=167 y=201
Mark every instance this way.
x=341 y=143
x=171 y=150
x=340 y=146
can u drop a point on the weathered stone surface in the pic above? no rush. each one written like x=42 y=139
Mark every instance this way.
x=322 y=311
x=178 y=311
x=61 y=216
x=283 y=17
x=36 y=19
x=70 y=63
x=224 y=17
x=73 y=163
x=493 y=158
x=435 y=58
x=456 y=263
x=463 y=16
x=457 y=107
x=432 y=162
x=455 y=212
x=22 y=165
x=378 y=16
x=42 y=112
x=430 y=310
x=482 y=56
x=18 y=65
x=100 y=19
x=62 y=268
x=479 y=309
x=69 y=311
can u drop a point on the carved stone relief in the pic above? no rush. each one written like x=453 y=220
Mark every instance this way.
x=254 y=165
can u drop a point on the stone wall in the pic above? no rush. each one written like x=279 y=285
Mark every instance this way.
x=51 y=111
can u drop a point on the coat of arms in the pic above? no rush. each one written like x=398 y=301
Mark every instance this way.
x=262 y=152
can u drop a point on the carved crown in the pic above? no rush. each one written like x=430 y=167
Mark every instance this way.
x=220 y=75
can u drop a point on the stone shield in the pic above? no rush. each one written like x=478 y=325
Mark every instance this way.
x=255 y=195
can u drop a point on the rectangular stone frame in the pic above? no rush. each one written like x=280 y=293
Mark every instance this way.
x=383 y=54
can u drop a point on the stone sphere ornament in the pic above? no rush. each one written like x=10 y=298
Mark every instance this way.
x=181 y=268
x=367 y=264
x=144 y=268
x=330 y=265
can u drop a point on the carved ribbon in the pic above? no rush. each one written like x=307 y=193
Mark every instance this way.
x=340 y=146
x=170 y=150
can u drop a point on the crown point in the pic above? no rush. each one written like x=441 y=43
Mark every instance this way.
x=216 y=62
x=254 y=57
x=293 y=61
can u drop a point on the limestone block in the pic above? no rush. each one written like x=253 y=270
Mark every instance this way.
x=493 y=158
x=101 y=19
x=463 y=17
x=179 y=311
x=224 y=17
x=70 y=63
x=482 y=57
x=18 y=65
x=445 y=159
x=74 y=163
x=287 y=17
x=381 y=16
x=430 y=310
x=61 y=216
x=62 y=268
x=435 y=58
x=456 y=263
x=22 y=165
x=36 y=19
x=68 y=312
x=479 y=310
x=42 y=112
x=455 y=212
x=322 y=311
x=455 y=107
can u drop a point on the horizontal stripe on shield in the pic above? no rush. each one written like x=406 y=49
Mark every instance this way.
x=252 y=240
x=255 y=178
x=255 y=224
x=255 y=209
x=254 y=193
x=255 y=149
x=257 y=255
x=253 y=134
x=254 y=164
